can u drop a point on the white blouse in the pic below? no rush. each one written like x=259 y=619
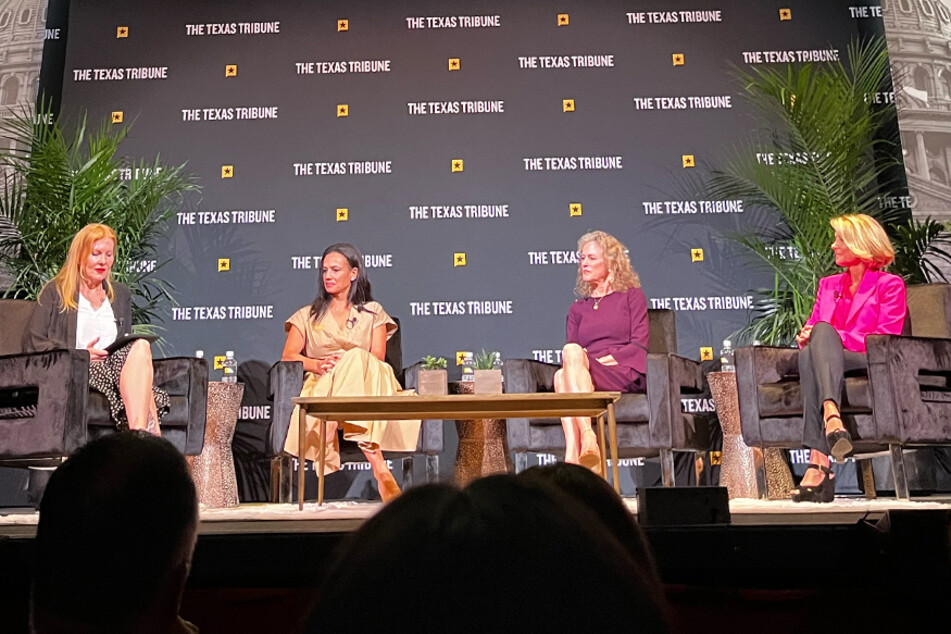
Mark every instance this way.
x=92 y=323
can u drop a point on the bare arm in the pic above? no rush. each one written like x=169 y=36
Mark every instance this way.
x=378 y=342
x=294 y=346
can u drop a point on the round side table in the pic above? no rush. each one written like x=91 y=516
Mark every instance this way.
x=740 y=461
x=213 y=468
x=483 y=449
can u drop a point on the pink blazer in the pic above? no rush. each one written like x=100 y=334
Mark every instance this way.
x=878 y=307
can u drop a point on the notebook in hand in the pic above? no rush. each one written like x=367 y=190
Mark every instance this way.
x=125 y=339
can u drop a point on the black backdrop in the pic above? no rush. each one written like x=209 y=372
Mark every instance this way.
x=202 y=83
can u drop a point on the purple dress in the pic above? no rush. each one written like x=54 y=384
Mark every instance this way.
x=618 y=327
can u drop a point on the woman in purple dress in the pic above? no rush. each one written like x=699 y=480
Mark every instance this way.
x=607 y=335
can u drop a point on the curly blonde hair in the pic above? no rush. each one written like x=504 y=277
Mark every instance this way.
x=621 y=275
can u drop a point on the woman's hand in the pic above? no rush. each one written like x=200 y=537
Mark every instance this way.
x=326 y=364
x=95 y=354
x=803 y=337
x=608 y=360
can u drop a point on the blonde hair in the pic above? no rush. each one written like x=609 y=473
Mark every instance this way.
x=865 y=238
x=67 y=280
x=621 y=275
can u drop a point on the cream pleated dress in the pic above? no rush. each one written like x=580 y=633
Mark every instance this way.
x=357 y=373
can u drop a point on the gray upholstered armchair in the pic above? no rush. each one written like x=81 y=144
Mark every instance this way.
x=649 y=424
x=47 y=410
x=903 y=398
x=285 y=381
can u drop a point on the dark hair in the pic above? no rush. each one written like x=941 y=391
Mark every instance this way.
x=116 y=521
x=503 y=554
x=594 y=492
x=359 y=290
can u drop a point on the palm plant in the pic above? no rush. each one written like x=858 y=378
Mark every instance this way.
x=55 y=180
x=826 y=149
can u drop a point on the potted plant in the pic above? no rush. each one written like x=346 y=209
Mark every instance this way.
x=825 y=149
x=488 y=372
x=433 y=378
x=57 y=179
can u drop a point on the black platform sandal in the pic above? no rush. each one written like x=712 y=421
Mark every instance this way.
x=840 y=442
x=822 y=492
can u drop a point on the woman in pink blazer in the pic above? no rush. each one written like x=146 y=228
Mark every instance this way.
x=861 y=301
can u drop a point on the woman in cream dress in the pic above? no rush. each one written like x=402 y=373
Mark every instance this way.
x=341 y=340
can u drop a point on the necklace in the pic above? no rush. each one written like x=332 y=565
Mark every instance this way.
x=597 y=300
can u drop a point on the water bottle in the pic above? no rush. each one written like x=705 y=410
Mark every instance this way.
x=229 y=368
x=727 y=363
x=497 y=363
x=468 y=367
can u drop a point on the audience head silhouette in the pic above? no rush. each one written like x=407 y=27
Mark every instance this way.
x=502 y=554
x=117 y=529
x=597 y=495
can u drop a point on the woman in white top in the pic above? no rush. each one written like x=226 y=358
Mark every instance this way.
x=83 y=308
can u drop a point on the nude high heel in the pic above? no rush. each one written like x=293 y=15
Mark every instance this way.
x=389 y=489
x=591 y=458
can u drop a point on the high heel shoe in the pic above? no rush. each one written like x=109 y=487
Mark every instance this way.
x=152 y=426
x=591 y=459
x=388 y=487
x=822 y=492
x=840 y=442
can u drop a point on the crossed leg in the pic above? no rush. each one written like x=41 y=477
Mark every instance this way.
x=574 y=376
x=135 y=387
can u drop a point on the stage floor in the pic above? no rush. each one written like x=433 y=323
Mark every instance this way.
x=347 y=516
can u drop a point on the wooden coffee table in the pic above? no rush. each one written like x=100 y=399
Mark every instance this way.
x=463 y=406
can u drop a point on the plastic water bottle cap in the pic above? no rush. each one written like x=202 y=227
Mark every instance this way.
x=229 y=354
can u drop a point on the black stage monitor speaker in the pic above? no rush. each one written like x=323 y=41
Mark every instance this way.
x=682 y=506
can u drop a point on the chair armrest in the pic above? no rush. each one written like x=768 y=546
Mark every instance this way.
x=285 y=381
x=58 y=428
x=528 y=376
x=910 y=379
x=670 y=376
x=430 y=433
x=525 y=376
x=411 y=376
x=755 y=366
x=188 y=377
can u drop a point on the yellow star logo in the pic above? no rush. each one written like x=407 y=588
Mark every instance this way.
x=455 y=63
x=696 y=255
x=461 y=356
x=231 y=70
x=343 y=214
x=227 y=171
x=343 y=110
x=688 y=161
x=122 y=31
x=785 y=14
x=706 y=354
x=562 y=19
x=716 y=458
x=574 y=209
x=219 y=361
x=567 y=105
x=343 y=25
x=458 y=165
x=224 y=264
x=458 y=259
x=678 y=59
x=117 y=116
